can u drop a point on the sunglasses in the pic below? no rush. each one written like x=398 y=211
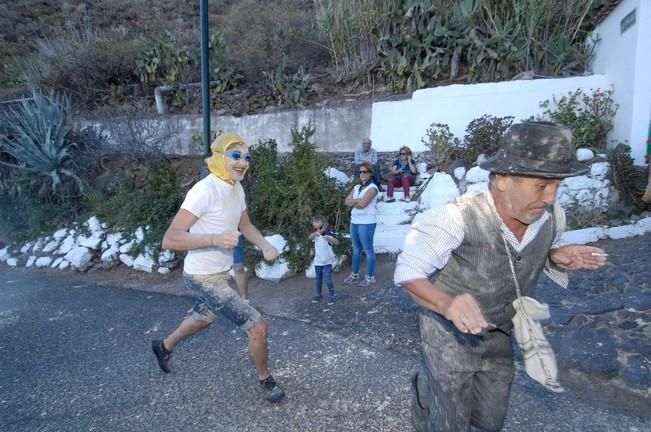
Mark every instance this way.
x=364 y=172
x=403 y=154
x=237 y=155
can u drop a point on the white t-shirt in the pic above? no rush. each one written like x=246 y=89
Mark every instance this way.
x=368 y=214
x=219 y=207
x=323 y=253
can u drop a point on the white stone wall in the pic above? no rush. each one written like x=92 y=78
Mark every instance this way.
x=391 y=124
x=624 y=58
x=405 y=122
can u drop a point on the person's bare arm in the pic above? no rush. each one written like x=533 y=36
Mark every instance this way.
x=412 y=166
x=252 y=234
x=350 y=201
x=365 y=200
x=178 y=238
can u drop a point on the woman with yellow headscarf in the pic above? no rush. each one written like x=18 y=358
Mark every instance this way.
x=217 y=162
x=206 y=226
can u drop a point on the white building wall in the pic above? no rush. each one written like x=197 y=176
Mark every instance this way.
x=625 y=58
x=405 y=122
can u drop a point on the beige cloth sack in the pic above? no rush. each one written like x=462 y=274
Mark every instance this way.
x=539 y=359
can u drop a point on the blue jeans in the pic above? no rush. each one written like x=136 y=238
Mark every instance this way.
x=361 y=235
x=238 y=253
x=324 y=273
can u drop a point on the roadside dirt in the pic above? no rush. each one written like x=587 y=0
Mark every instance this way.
x=382 y=316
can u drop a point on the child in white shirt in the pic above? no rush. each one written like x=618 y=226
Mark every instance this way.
x=324 y=258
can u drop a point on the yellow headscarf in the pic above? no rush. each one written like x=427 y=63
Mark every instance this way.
x=217 y=162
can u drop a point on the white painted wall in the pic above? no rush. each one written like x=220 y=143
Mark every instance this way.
x=405 y=122
x=338 y=128
x=625 y=59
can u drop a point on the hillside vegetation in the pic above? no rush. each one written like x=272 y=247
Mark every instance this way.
x=107 y=53
x=104 y=58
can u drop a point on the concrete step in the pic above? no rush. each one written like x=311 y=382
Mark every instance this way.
x=395 y=213
x=397 y=193
x=395 y=208
x=390 y=240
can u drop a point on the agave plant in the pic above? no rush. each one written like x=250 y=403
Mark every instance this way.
x=34 y=135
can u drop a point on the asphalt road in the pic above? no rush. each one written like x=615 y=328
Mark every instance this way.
x=76 y=357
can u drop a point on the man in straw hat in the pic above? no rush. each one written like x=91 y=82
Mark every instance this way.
x=465 y=320
x=207 y=227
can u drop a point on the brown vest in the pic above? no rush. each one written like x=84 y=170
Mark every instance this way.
x=480 y=265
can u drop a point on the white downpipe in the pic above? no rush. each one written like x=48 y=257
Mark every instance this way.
x=158 y=97
x=158 y=93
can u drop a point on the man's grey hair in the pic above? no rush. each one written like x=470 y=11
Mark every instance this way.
x=492 y=175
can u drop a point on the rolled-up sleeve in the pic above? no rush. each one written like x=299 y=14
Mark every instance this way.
x=433 y=236
x=557 y=274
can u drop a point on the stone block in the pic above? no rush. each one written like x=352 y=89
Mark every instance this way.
x=79 y=257
x=144 y=262
x=43 y=262
x=127 y=260
x=637 y=372
x=590 y=350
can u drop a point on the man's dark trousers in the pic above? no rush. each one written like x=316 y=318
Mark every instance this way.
x=463 y=379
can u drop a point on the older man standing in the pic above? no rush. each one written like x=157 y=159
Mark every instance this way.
x=479 y=249
x=367 y=154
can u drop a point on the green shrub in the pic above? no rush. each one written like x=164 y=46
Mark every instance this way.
x=152 y=206
x=579 y=217
x=85 y=62
x=221 y=69
x=45 y=167
x=589 y=115
x=288 y=89
x=165 y=61
x=260 y=34
x=629 y=179
x=28 y=215
x=484 y=40
x=442 y=145
x=417 y=45
x=34 y=136
x=483 y=136
x=351 y=28
x=284 y=197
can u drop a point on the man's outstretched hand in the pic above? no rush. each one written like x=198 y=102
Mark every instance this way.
x=464 y=312
x=574 y=257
